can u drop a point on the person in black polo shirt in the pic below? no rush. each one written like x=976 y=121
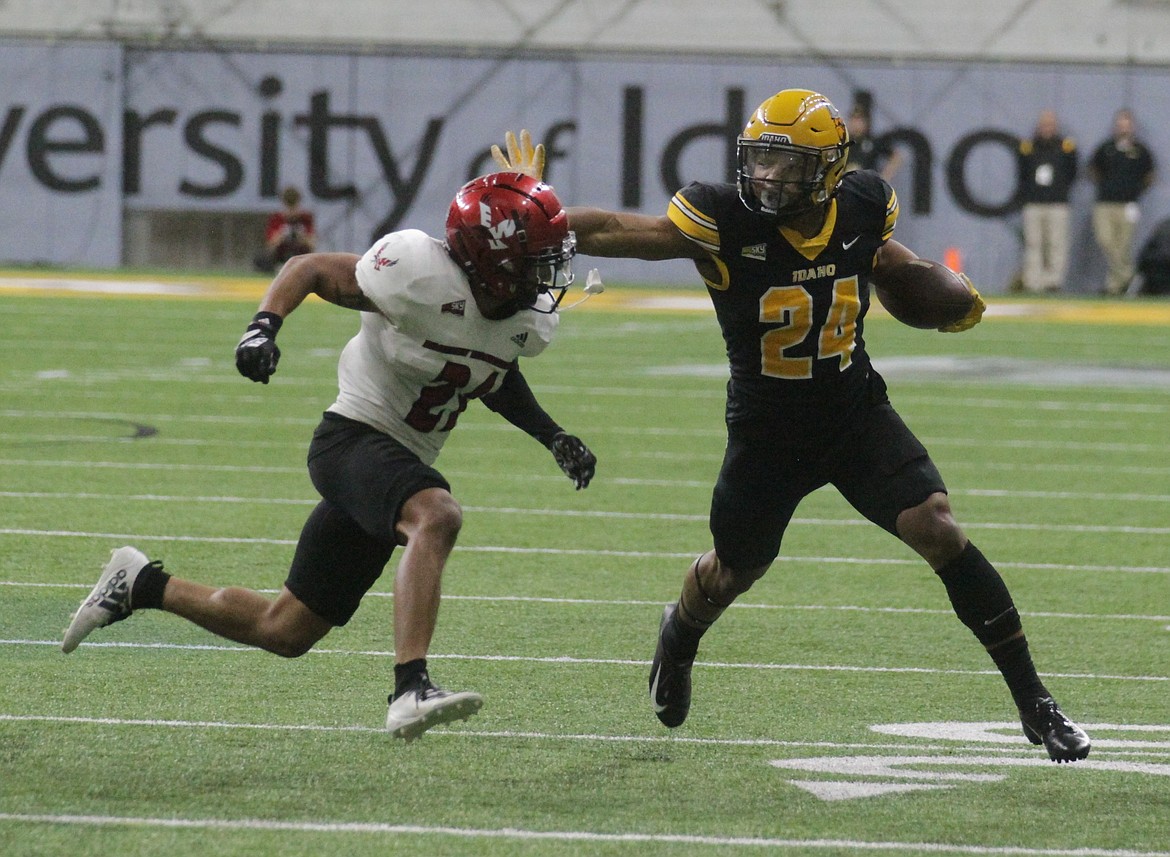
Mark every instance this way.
x=1122 y=168
x=1048 y=166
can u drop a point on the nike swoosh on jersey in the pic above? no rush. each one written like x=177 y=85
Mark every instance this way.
x=845 y=245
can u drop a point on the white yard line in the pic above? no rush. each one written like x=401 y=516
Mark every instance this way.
x=565 y=660
x=1014 y=744
x=1004 y=493
x=671 y=555
x=716 y=432
x=633 y=602
x=581 y=836
x=535 y=736
x=1145 y=470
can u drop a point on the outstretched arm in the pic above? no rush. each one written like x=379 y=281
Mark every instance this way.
x=628 y=235
x=620 y=234
x=331 y=276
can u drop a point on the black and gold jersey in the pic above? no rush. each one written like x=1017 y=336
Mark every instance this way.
x=791 y=308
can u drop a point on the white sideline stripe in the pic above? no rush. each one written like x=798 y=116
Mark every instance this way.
x=633 y=602
x=1019 y=749
x=374 y=827
x=621 y=455
x=572 y=661
x=167 y=498
x=659 y=431
x=1061 y=495
x=144 y=465
x=542 y=736
x=119 y=416
x=704 y=391
x=705 y=484
x=155 y=439
x=1032 y=406
x=589 y=552
x=824 y=560
x=1139 y=469
x=127 y=537
x=634 y=390
x=563 y=513
x=982 y=465
x=1063 y=445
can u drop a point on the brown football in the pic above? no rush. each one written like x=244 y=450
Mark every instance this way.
x=923 y=294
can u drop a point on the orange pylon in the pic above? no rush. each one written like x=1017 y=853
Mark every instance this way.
x=953 y=259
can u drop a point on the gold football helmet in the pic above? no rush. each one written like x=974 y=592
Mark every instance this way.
x=792 y=153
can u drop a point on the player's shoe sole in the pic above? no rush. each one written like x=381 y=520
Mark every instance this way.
x=670 y=679
x=1044 y=723
x=413 y=713
x=109 y=600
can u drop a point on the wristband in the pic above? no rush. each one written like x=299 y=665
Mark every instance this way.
x=268 y=320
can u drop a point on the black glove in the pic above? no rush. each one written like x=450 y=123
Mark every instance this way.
x=574 y=458
x=257 y=354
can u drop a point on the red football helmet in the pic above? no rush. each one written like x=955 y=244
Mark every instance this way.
x=511 y=236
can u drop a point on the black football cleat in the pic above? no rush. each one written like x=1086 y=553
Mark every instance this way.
x=670 y=678
x=1044 y=723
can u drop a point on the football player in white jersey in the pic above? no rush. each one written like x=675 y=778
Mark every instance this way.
x=443 y=322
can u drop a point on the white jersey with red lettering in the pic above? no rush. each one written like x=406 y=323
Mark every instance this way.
x=418 y=361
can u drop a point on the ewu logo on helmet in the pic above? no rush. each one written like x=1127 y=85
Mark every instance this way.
x=510 y=235
x=497 y=231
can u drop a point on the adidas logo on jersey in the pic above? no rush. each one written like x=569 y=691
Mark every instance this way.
x=756 y=251
x=455 y=308
x=520 y=338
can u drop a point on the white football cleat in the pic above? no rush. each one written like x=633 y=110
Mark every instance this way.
x=109 y=600
x=417 y=710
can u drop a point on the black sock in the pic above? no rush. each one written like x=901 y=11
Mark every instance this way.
x=1015 y=662
x=982 y=602
x=148 y=587
x=409 y=675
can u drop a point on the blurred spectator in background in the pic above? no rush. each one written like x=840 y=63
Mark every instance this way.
x=1048 y=165
x=1122 y=168
x=865 y=151
x=290 y=232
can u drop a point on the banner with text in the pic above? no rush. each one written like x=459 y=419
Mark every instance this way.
x=378 y=143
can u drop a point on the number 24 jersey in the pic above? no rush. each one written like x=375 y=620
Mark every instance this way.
x=791 y=308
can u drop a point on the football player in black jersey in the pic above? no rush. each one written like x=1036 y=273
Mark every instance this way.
x=788 y=254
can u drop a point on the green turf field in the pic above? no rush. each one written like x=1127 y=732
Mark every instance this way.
x=839 y=708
